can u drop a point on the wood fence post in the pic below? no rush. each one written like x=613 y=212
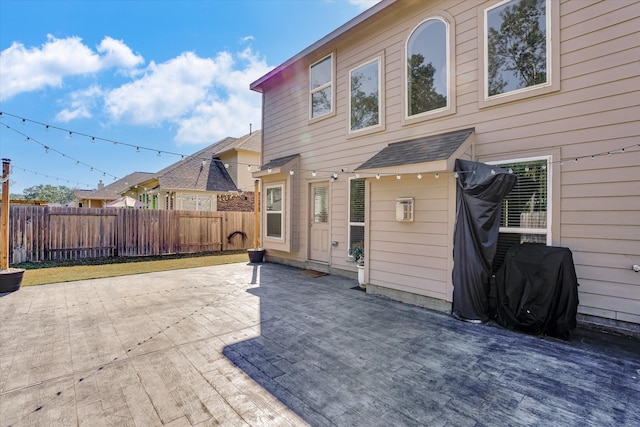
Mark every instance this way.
x=4 y=263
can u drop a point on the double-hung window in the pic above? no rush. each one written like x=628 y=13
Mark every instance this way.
x=321 y=87
x=274 y=211
x=356 y=212
x=526 y=210
x=427 y=68
x=517 y=47
x=364 y=99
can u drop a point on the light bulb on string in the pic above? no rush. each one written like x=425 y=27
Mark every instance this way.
x=335 y=175
x=437 y=175
x=377 y=176
x=314 y=173
x=357 y=175
x=419 y=176
x=226 y=165
x=291 y=172
x=455 y=175
x=269 y=170
x=398 y=176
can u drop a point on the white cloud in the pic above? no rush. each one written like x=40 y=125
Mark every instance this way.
x=117 y=54
x=26 y=69
x=207 y=99
x=82 y=102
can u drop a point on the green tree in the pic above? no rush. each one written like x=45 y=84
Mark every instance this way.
x=50 y=193
x=422 y=93
x=364 y=106
x=518 y=47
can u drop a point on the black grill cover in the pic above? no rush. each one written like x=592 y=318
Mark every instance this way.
x=481 y=189
x=537 y=290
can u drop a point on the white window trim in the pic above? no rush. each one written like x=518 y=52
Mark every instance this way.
x=553 y=59
x=331 y=84
x=282 y=213
x=380 y=125
x=438 y=112
x=549 y=228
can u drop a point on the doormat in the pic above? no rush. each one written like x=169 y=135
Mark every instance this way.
x=312 y=273
x=358 y=288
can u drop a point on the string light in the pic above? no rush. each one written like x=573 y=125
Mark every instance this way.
x=291 y=172
x=314 y=173
x=50 y=149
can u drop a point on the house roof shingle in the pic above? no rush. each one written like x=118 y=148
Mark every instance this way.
x=116 y=188
x=419 y=150
x=191 y=173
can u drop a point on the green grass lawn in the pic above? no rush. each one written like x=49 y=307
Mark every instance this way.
x=50 y=273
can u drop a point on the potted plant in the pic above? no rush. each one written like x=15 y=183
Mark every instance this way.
x=256 y=255
x=357 y=256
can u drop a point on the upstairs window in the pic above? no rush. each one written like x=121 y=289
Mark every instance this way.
x=517 y=46
x=427 y=68
x=364 y=100
x=321 y=87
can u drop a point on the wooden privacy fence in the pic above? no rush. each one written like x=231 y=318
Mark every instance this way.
x=41 y=233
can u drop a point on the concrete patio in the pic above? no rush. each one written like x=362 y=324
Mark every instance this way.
x=266 y=344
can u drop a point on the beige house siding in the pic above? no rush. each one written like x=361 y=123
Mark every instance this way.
x=413 y=256
x=595 y=202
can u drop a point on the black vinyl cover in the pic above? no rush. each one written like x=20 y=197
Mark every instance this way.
x=537 y=290
x=478 y=209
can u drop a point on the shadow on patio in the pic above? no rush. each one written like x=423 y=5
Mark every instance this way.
x=337 y=356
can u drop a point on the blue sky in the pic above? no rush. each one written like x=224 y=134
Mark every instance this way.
x=168 y=75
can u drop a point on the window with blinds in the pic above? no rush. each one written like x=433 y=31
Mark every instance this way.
x=525 y=210
x=356 y=213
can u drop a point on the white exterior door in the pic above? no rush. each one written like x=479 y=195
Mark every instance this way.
x=319 y=241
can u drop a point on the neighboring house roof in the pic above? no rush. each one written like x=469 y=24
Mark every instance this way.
x=116 y=188
x=191 y=174
x=257 y=85
x=419 y=150
x=249 y=142
x=82 y=194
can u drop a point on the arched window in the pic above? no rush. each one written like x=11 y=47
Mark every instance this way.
x=428 y=67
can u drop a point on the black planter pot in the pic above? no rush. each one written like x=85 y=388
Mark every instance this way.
x=11 y=279
x=256 y=255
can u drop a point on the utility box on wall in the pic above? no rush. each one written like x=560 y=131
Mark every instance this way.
x=404 y=209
